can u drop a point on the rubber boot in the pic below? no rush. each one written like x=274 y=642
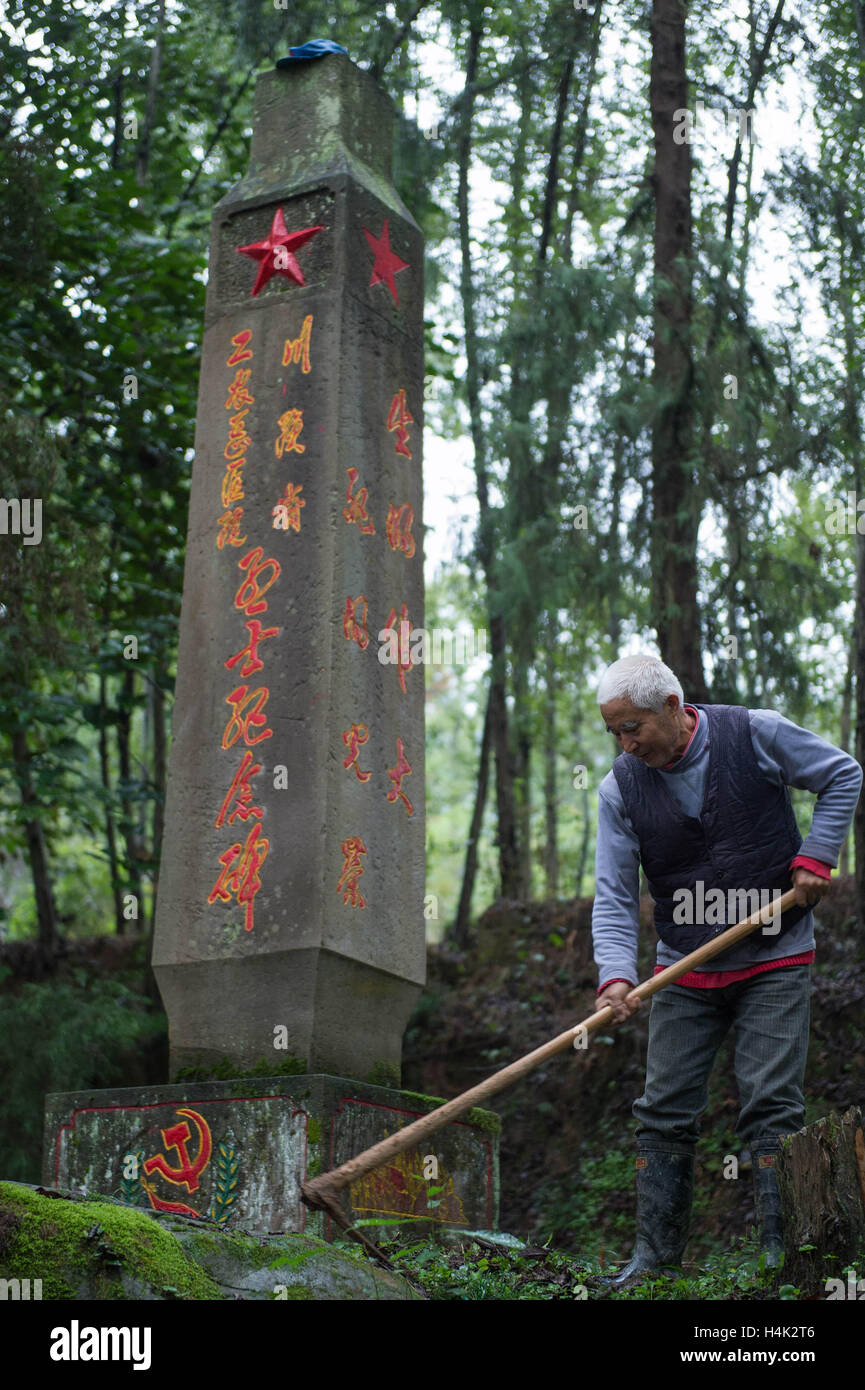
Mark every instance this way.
x=767 y=1201
x=665 y=1188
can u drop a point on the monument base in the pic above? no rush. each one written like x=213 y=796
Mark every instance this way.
x=236 y=1152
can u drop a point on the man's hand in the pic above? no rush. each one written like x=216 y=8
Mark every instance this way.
x=810 y=888
x=616 y=996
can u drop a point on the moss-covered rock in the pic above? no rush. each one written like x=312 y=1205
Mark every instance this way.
x=99 y=1248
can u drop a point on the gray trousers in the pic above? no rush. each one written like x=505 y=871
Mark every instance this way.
x=770 y=1016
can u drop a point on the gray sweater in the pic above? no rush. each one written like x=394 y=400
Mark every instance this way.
x=785 y=753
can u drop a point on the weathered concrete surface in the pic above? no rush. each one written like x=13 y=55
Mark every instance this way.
x=87 y=1248
x=236 y=1152
x=295 y=900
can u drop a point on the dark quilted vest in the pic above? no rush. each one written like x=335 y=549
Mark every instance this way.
x=744 y=838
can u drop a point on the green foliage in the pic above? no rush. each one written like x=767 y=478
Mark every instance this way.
x=463 y=1269
x=104 y=222
x=384 y=1073
x=587 y=1211
x=226 y=1070
x=58 y=1035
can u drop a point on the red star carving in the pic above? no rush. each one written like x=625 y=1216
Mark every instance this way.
x=266 y=252
x=387 y=262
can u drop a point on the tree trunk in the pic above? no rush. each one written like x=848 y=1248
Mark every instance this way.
x=676 y=500
x=533 y=485
x=522 y=492
x=583 y=861
x=613 y=543
x=160 y=748
x=461 y=921
x=583 y=858
x=844 y=742
x=852 y=437
x=821 y=1176
x=128 y=824
x=110 y=836
x=160 y=765
x=586 y=87
x=142 y=162
x=522 y=754
x=117 y=140
x=859 y=753
x=499 y=731
x=46 y=911
x=551 y=845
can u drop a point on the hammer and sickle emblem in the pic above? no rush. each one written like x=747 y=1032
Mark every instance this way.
x=177 y=1137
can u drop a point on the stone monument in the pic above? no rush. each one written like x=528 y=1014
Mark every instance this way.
x=292 y=881
x=289 y=941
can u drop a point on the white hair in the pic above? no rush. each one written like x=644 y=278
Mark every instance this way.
x=644 y=680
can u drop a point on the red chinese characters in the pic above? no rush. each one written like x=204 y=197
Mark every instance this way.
x=398 y=528
x=250 y=596
x=286 y=513
x=229 y=527
x=354 y=621
x=352 y=848
x=253 y=661
x=398 y=419
x=238 y=439
x=297 y=349
x=295 y=352
x=247 y=714
x=290 y=426
x=238 y=401
x=355 y=508
x=353 y=738
x=238 y=798
x=238 y=394
x=403 y=661
x=396 y=774
x=240 y=877
x=232 y=486
x=242 y=350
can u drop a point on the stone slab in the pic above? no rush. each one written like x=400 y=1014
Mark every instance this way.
x=236 y=1152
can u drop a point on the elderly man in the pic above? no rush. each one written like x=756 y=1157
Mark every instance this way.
x=698 y=796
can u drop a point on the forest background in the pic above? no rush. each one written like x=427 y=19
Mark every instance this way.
x=643 y=422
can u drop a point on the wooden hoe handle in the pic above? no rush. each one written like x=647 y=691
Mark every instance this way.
x=323 y=1191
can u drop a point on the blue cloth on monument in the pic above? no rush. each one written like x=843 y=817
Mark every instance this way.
x=313 y=48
